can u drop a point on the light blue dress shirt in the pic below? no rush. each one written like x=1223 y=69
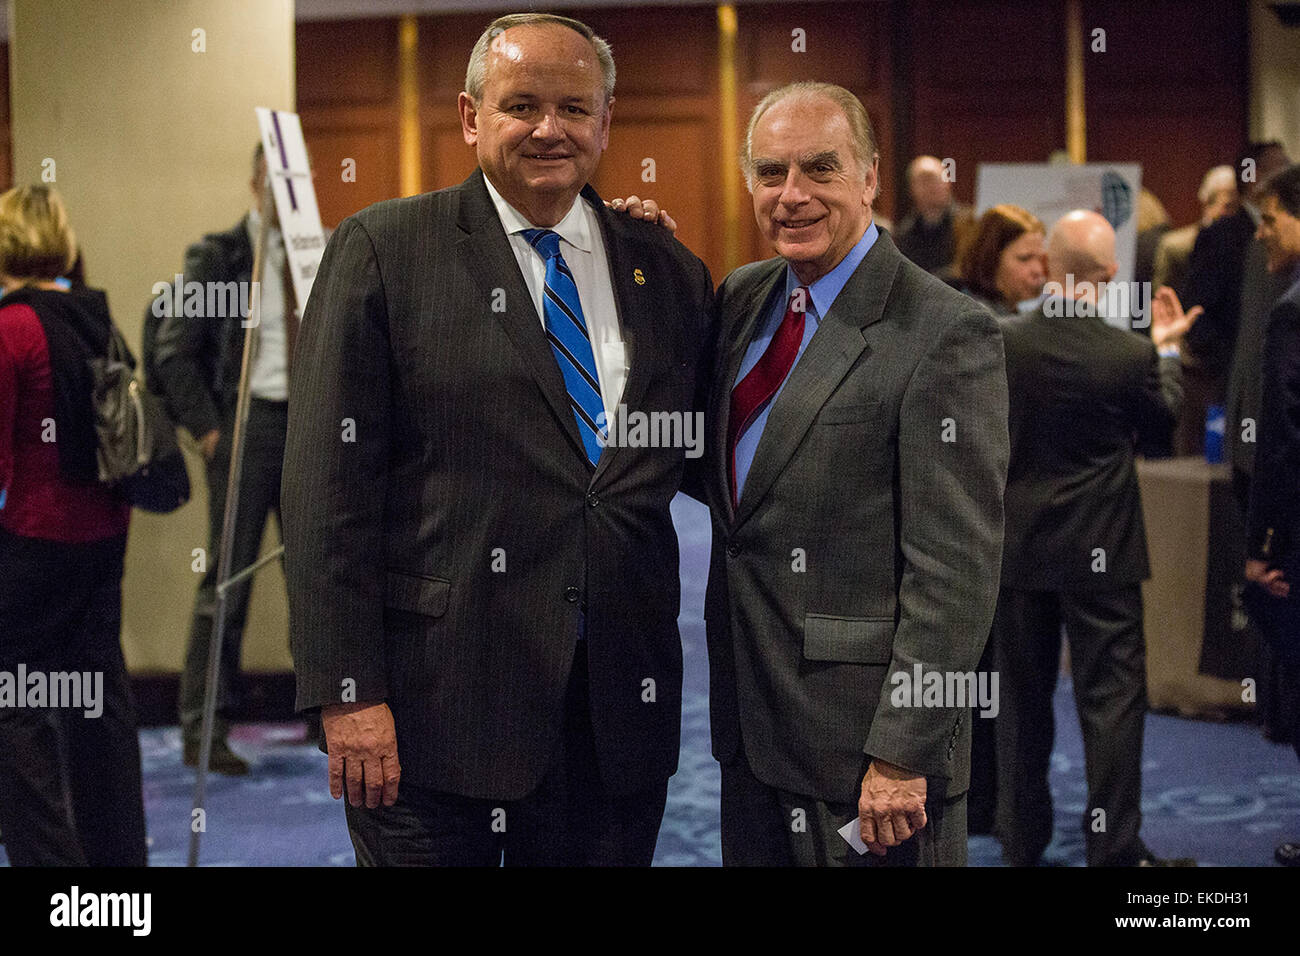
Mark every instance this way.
x=822 y=295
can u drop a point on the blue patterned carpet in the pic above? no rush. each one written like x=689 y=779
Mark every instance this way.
x=1217 y=792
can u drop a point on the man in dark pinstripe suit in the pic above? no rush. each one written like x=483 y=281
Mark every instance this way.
x=481 y=586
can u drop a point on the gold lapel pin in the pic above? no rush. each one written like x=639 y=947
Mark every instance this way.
x=638 y=277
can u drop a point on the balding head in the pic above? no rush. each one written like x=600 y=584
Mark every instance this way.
x=1081 y=245
x=931 y=191
x=924 y=164
x=1217 y=180
x=1218 y=194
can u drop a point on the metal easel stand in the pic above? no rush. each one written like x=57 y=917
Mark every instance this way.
x=225 y=580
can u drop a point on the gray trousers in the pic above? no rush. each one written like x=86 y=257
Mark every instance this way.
x=259 y=495
x=765 y=826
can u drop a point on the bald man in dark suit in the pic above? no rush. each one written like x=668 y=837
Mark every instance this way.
x=1082 y=392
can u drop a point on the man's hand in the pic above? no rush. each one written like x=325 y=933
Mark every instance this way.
x=892 y=806
x=208 y=443
x=1271 y=581
x=643 y=209
x=1168 y=320
x=362 y=745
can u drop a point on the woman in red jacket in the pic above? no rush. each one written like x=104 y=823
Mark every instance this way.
x=70 y=790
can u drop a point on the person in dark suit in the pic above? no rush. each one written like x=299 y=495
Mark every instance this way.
x=1214 y=283
x=1218 y=197
x=1273 y=523
x=858 y=453
x=1260 y=290
x=1081 y=392
x=929 y=233
x=1277 y=694
x=198 y=361
x=483 y=578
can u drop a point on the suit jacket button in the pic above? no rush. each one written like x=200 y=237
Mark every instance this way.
x=593 y=499
x=733 y=549
x=571 y=595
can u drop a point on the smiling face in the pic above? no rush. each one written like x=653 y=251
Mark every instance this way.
x=542 y=120
x=1021 y=272
x=812 y=198
x=1280 y=233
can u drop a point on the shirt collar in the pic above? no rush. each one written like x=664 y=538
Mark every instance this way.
x=255 y=226
x=574 y=228
x=826 y=290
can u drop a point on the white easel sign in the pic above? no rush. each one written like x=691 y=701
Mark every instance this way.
x=295 y=197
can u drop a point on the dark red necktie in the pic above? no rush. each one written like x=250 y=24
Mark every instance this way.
x=765 y=378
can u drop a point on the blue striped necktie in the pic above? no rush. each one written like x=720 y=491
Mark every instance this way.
x=566 y=330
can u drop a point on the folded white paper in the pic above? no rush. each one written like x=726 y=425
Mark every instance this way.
x=852 y=833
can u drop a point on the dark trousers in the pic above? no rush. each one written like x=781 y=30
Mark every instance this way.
x=259 y=495
x=982 y=801
x=1277 y=696
x=1289 y=705
x=1108 y=664
x=765 y=826
x=1202 y=387
x=571 y=819
x=70 y=791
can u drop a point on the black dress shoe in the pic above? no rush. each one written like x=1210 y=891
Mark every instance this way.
x=1288 y=854
x=222 y=760
x=1152 y=860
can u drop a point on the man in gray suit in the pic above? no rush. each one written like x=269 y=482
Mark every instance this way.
x=859 y=451
x=482 y=579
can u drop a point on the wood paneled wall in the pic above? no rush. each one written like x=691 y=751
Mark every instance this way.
x=987 y=83
x=347 y=99
x=974 y=80
x=666 y=101
x=1169 y=91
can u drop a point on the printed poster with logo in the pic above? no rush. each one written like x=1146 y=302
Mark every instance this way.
x=1050 y=190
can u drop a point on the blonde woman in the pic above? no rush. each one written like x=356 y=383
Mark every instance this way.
x=69 y=753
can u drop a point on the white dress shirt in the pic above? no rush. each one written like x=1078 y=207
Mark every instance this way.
x=269 y=377
x=583 y=250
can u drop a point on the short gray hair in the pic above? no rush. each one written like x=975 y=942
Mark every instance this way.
x=1217 y=180
x=860 y=130
x=476 y=73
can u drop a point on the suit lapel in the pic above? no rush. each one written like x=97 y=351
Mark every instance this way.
x=486 y=255
x=749 y=311
x=832 y=351
x=635 y=307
